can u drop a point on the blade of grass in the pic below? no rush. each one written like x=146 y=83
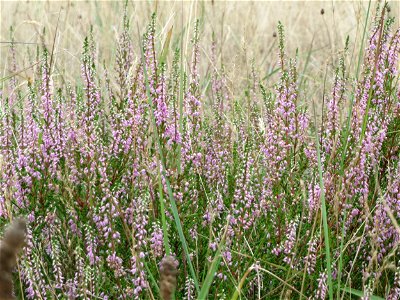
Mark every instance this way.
x=360 y=55
x=241 y=283
x=54 y=43
x=345 y=139
x=378 y=50
x=163 y=220
x=306 y=265
x=3 y=79
x=346 y=135
x=324 y=214
x=283 y=281
x=181 y=88
x=213 y=268
x=170 y=194
x=165 y=49
x=306 y=64
x=271 y=73
x=152 y=279
x=360 y=293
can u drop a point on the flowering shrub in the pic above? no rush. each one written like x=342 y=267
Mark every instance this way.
x=117 y=171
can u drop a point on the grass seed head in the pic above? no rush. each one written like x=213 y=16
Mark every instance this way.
x=12 y=242
x=168 y=271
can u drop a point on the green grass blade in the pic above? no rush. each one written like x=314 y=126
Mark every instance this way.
x=271 y=73
x=165 y=49
x=152 y=279
x=346 y=135
x=213 y=268
x=306 y=64
x=241 y=283
x=163 y=220
x=181 y=235
x=324 y=216
x=360 y=293
x=347 y=129
x=170 y=194
x=378 y=50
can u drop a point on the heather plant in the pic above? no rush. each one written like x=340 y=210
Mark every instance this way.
x=151 y=175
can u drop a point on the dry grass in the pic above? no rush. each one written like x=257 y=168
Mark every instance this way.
x=244 y=31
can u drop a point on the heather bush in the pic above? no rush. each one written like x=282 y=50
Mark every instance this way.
x=156 y=163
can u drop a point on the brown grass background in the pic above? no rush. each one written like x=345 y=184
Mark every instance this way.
x=243 y=30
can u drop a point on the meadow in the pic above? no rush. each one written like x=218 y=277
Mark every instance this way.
x=200 y=150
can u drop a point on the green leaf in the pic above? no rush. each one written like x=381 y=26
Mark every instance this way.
x=360 y=293
x=213 y=268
